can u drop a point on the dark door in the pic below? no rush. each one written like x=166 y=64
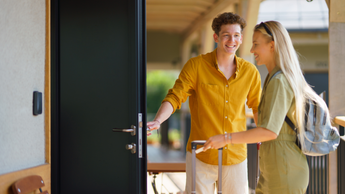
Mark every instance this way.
x=98 y=83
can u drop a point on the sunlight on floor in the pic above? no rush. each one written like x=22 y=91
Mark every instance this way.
x=168 y=183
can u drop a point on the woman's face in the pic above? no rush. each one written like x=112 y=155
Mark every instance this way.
x=263 y=49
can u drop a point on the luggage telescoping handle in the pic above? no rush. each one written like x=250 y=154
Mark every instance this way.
x=220 y=159
x=257 y=163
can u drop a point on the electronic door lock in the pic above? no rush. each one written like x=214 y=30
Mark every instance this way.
x=132 y=147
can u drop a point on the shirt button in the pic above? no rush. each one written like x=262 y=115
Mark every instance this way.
x=226 y=101
x=225 y=148
x=226 y=117
x=226 y=86
x=225 y=132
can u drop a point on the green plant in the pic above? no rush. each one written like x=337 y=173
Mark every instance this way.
x=158 y=84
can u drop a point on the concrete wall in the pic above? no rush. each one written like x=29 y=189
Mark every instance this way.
x=313 y=50
x=313 y=57
x=163 y=50
x=22 y=71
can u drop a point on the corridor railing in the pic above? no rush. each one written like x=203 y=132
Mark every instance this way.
x=318 y=174
x=341 y=154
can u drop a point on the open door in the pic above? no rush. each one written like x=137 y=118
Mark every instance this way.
x=98 y=84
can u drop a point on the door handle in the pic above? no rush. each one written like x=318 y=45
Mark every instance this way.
x=132 y=130
x=131 y=147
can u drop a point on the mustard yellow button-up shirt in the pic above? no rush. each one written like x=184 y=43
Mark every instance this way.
x=217 y=105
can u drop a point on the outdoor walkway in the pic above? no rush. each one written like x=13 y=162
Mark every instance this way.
x=160 y=154
x=168 y=183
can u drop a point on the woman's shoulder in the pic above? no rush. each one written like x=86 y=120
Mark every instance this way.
x=280 y=80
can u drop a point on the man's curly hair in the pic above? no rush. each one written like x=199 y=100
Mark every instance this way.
x=227 y=18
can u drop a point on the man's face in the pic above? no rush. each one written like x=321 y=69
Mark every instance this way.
x=229 y=38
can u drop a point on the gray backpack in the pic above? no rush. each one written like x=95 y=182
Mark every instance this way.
x=321 y=137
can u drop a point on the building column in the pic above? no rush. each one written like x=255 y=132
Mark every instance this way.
x=336 y=73
x=207 y=42
x=249 y=10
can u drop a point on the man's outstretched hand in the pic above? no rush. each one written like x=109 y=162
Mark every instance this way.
x=153 y=125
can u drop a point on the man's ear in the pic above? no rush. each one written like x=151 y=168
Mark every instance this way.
x=241 y=39
x=215 y=37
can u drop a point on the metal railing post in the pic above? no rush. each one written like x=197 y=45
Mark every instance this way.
x=341 y=161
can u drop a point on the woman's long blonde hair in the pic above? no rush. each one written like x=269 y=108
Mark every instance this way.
x=287 y=59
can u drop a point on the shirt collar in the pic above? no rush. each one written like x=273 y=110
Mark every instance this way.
x=215 y=62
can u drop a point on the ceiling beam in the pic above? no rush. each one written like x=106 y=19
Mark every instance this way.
x=213 y=11
x=168 y=24
x=193 y=8
x=327 y=2
x=176 y=30
x=165 y=17
x=172 y=13
x=180 y=2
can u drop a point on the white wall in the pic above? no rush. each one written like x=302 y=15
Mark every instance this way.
x=22 y=71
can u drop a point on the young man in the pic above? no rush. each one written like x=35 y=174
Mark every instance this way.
x=218 y=85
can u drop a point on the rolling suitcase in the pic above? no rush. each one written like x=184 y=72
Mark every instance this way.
x=257 y=164
x=220 y=154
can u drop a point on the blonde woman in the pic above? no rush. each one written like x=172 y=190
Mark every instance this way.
x=283 y=166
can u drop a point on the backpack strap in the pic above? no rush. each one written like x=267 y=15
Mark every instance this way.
x=290 y=123
x=276 y=73
x=293 y=127
x=287 y=120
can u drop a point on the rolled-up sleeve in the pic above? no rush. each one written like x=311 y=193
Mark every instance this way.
x=183 y=86
x=253 y=98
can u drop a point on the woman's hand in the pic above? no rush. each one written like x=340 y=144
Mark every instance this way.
x=215 y=142
x=153 y=125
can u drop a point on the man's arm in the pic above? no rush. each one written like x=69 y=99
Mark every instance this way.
x=164 y=112
x=256 y=118
x=254 y=95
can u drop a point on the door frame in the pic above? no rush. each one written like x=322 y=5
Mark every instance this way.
x=140 y=39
